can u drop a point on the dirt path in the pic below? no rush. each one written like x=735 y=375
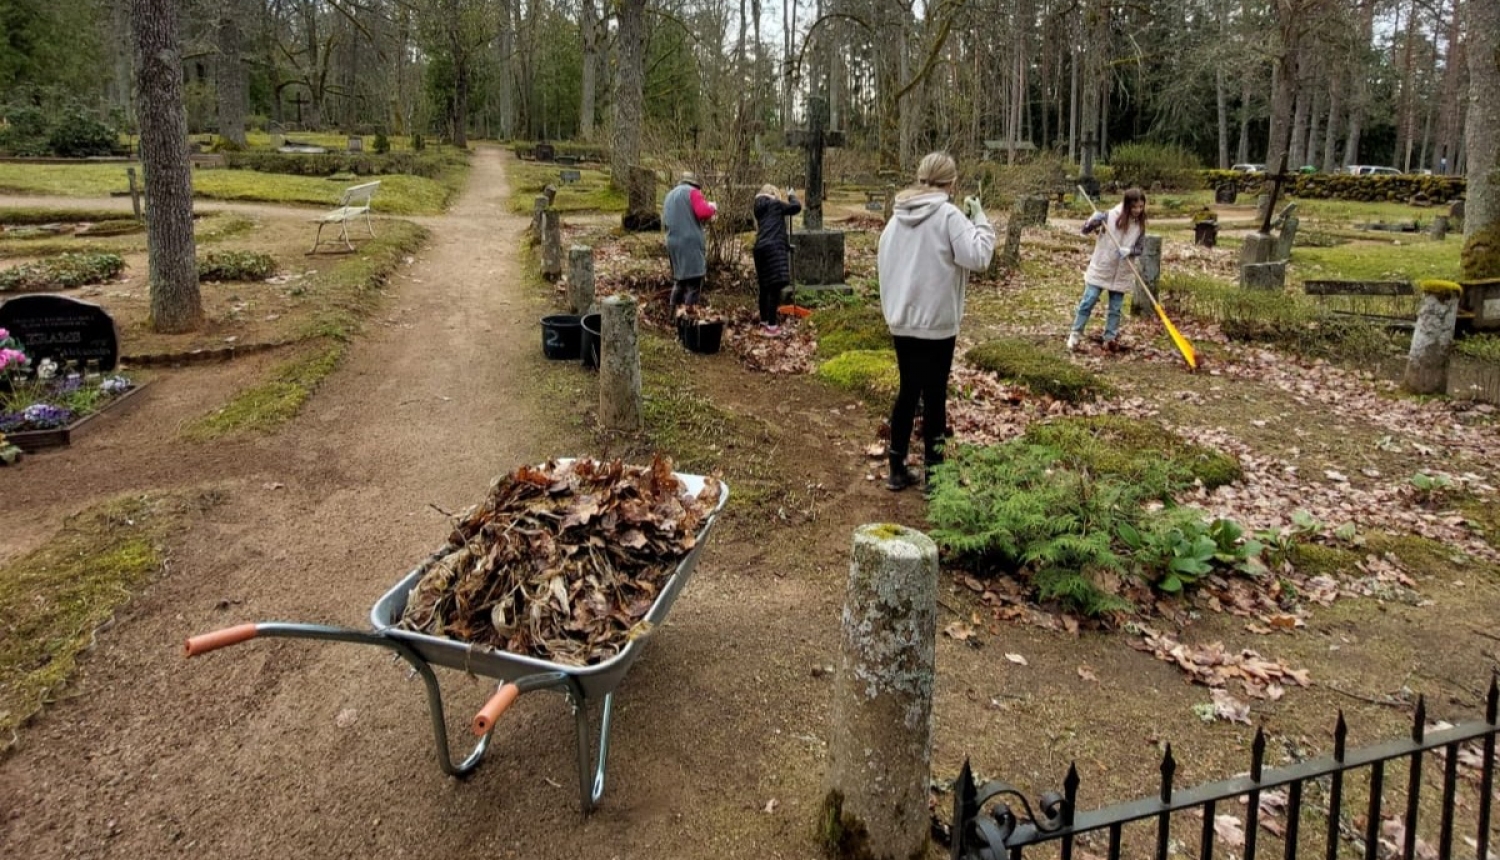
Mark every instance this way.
x=284 y=749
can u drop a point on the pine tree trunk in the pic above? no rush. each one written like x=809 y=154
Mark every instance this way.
x=176 y=305
x=588 y=25
x=629 y=91
x=1481 y=254
x=229 y=75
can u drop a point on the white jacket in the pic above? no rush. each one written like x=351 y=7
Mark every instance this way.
x=1106 y=269
x=926 y=253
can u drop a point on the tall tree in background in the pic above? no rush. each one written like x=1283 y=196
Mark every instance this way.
x=176 y=305
x=591 y=29
x=1481 y=256
x=230 y=79
x=630 y=85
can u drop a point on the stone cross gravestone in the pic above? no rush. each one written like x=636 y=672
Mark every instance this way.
x=818 y=254
x=815 y=139
x=1260 y=247
x=62 y=329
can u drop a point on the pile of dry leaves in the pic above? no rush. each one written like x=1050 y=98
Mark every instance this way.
x=562 y=561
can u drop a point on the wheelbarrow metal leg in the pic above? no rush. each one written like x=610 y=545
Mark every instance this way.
x=591 y=786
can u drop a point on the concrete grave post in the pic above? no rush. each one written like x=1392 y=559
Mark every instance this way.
x=1438 y=229
x=1149 y=267
x=620 y=406
x=581 y=278
x=1009 y=257
x=539 y=206
x=1432 y=340
x=551 y=245
x=880 y=737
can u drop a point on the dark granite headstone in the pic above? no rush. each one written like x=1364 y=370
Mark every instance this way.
x=1226 y=194
x=818 y=259
x=568 y=176
x=62 y=329
x=544 y=152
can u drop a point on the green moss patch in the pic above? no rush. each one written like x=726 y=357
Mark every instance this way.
x=29 y=215
x=1044 y=372
x=1130 y=448
x=850 y=327
x=869 y=372
x=53 y=599
x=1481 y=254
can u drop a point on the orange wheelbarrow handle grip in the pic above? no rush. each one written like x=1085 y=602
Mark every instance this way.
x=485 y=719
x=206 y=642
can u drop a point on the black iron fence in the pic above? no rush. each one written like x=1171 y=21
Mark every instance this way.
x=985 y=827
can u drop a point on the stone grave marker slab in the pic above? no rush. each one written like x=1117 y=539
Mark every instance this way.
x=568 y=177
x=62 y=329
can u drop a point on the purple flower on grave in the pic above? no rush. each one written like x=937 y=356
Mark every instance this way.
x=68 y=385
x=10 y=421
x=115 y=385
x=44 y=415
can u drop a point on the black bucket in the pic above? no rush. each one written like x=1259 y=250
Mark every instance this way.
x=561 y=336
x=588 y=344
x=704 y=338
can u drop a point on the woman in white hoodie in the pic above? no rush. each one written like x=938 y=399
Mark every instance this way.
x=926 y=253
x=1122 y=234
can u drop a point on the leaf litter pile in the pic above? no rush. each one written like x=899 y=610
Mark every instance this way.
x=562 y=561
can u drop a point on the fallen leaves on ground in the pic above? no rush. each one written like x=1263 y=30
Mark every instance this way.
x=1215 y=666
x=561 y=561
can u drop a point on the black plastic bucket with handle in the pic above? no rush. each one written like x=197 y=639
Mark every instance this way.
x=588 y=344
x=561 y=336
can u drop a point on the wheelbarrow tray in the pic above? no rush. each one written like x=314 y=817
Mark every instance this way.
x=595 y=680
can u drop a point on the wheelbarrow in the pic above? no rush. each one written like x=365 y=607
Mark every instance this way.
x=518 y=673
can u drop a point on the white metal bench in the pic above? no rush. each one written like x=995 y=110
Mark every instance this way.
x=354 y=203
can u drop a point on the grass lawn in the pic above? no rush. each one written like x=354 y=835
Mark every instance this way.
x=592 y=191
x=399 y=195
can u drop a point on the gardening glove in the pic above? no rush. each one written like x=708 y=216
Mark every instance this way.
x=1123 y=252
x=1093 y=223
x=975 y=210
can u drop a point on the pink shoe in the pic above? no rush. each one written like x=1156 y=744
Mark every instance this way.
x=770 y=330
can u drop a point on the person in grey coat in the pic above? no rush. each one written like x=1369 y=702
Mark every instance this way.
x=683 y=215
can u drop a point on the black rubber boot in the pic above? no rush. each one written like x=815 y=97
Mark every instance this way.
x=900 y=477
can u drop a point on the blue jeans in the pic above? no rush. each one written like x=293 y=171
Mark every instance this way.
x=1086 y=307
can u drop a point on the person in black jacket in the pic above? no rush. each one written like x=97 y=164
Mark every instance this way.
x=773 y=250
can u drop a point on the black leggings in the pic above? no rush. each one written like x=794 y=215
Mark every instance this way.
x=685 y=291
x=770 y=300
x=925 y=366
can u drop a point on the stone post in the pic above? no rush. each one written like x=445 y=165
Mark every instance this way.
x=1438 y=229
x=1149 y=265
x=539 y=206
x=620 y=407
x=880 y=740
x=1432 y=341
x=581 y=278
x=1262 y=206
x=1008 y=257
x=551 y=245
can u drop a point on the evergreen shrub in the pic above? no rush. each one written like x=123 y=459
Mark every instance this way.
x=62 y=272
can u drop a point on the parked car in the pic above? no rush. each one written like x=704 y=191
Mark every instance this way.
x=1249 y=168
x=1372 y=170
